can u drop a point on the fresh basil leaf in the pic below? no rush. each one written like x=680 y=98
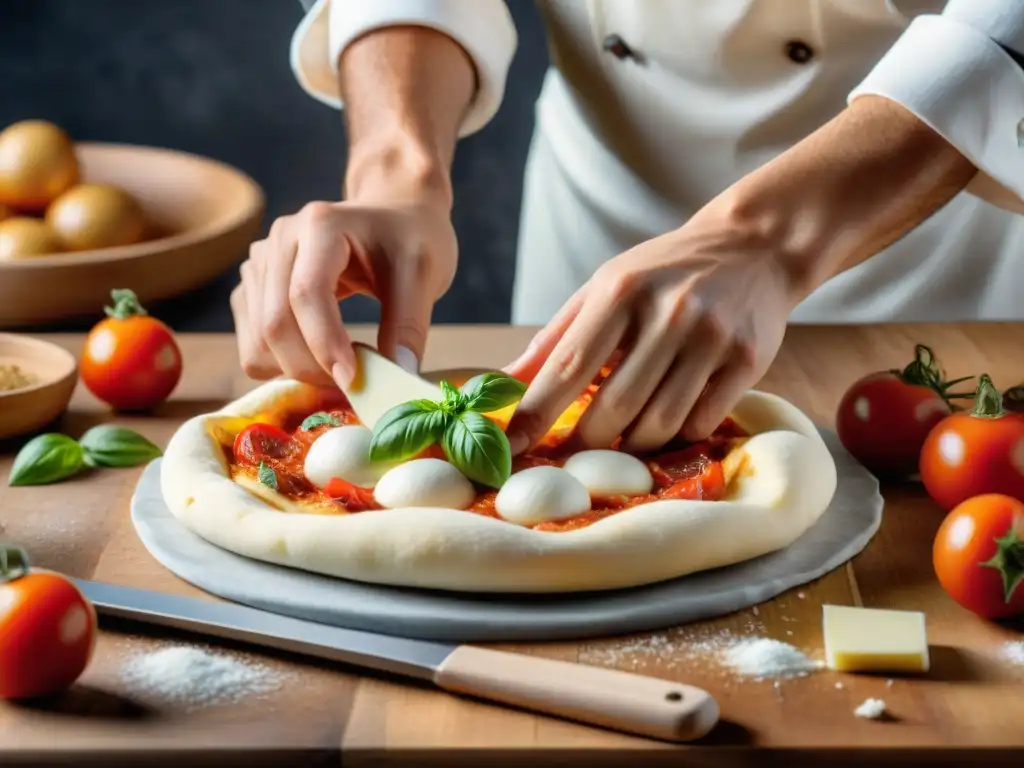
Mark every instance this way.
x=267 y=475
x=478 y=448
x=452 y=396
x=319 y=419
x=491 y=392
x=47 y=459
x=107 y=445
x=407 y=429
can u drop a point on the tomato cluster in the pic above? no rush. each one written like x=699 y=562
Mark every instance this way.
x=971 y=463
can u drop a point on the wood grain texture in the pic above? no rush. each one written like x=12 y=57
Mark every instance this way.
x=969 y=701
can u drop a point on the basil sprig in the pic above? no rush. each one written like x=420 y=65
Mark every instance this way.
x=267 y=475
x=472 y=443
x=51 y=457
x=47 y=459
x=319 y=419
x=110 y=446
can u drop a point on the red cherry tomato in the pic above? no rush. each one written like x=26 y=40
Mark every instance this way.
x=354 y=497
x=884 y=417
x=259 y=442
x=976 y=452
x=47 y=630
x=131 y=360
x=979 y=556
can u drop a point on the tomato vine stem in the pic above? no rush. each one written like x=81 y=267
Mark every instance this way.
x=988 y=401
x=924 y=371
x=13 y=563
x=126 y=304
x=1009 y=561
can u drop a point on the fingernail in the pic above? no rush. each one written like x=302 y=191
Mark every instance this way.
x=518 y=442
x=341 y=375
x=406 y=359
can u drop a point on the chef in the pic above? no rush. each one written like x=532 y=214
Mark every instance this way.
x=701 y=173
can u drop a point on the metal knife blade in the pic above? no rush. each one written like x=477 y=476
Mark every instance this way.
x=385 y=653
x=608 y=698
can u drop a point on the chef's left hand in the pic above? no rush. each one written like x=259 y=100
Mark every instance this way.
x=697 y=314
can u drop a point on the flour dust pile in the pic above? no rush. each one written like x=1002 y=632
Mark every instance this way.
x=188 y=676
x=763 y=657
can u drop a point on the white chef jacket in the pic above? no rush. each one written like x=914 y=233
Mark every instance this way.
x=652 y=107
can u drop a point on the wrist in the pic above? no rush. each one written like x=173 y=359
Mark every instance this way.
x=845 y=192
x=397 y=170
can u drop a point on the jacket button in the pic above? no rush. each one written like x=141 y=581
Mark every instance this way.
x=616 y=46
x=799 y=51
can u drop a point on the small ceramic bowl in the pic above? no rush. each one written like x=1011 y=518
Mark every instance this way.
x=54 y=371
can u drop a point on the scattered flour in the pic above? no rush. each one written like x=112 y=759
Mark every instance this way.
x=839 y=686
x=1012 y=652
x=189 y=676
x=871 y=709
x=762 y=657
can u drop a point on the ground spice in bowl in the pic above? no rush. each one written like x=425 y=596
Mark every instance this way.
x=14 y=377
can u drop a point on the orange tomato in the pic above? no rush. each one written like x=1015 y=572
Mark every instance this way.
x=978 y=555
x=976 y=452
x=47 y=630
x=131 y=360
x=884 y=418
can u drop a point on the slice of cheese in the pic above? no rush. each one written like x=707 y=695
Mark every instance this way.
x=379 y=385
x=874 y=640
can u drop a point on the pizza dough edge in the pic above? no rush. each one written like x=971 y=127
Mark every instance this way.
x=790 y=481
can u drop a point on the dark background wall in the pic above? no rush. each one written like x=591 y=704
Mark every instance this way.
x=212 y=77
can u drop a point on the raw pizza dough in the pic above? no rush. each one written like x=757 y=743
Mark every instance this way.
x=787 y=482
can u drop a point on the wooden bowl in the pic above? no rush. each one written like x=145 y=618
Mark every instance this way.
x=204 y=214
x=33 y=407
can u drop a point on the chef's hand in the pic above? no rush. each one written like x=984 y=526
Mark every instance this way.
x=697 y=315
x=286 y=308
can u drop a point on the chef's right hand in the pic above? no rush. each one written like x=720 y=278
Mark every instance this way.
x=286 y=309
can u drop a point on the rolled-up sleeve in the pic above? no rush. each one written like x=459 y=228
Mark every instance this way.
x=958 y=72
x=484 y=29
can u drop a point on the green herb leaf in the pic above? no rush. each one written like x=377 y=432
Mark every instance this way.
x=452 y=396
x=407 y=429
x=491 y=392
x=107 y=445
x=319 y=419
x=267 y=476
x=478 y=448
x=46 y=459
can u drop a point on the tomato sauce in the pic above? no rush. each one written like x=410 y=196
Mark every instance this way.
x=680 y=470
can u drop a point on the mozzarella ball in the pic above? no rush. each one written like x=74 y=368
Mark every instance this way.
x=424 y=483
x=343 y=452
x=539 y=494
x=610 y=473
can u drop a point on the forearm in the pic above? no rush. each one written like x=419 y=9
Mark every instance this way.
x=406 y=90
x=847 y=191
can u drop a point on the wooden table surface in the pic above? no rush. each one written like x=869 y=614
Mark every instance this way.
x=970 y=701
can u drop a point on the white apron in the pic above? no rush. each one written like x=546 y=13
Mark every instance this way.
x=635 y=133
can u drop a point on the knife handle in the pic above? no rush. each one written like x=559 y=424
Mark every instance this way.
x=622 y=701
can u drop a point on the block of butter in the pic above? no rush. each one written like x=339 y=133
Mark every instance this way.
x=874 y=640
